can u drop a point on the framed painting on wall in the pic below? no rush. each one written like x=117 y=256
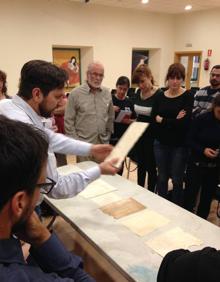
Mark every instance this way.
x=69 y=59
x=139 y=57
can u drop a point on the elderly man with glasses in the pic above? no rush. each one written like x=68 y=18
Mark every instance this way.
x=23 y=162
x=89 y=112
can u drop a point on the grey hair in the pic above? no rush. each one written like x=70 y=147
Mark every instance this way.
x=93 y=64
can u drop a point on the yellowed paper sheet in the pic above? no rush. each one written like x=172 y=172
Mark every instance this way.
x=173 y=239
x=97 y=188
x=127 y=141
x=144 y=222
x=122 y=208
x=63 y=170
x=106 y=199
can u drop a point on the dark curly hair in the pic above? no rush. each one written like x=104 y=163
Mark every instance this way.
x=3 y=78
x=41 y=74
x=23 y=152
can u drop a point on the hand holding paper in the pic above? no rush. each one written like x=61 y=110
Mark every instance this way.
x=123 y=115
x=127 y=141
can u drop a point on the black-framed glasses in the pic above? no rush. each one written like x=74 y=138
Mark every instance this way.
x=46 y=187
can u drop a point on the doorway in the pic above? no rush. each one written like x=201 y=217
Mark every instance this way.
x=192 y=63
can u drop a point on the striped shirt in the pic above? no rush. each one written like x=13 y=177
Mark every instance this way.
x=203 y=100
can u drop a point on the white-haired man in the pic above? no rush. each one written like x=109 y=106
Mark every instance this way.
x=89 y=112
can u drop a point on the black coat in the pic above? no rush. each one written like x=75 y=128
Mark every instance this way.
x=185 y=266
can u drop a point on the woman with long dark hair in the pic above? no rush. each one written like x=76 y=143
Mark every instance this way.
x=171 y=114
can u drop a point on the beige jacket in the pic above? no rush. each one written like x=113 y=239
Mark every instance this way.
x=88 y=116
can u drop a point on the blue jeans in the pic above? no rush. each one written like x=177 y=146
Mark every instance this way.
x=171 y=163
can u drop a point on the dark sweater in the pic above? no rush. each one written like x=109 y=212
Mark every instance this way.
x=119 y=127
x=203 y=100
x=185 y=266
x=172 y=131
x=146 y=106
x=204 y=133
x=52 y=263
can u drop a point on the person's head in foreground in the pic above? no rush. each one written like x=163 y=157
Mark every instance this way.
x=23 y=159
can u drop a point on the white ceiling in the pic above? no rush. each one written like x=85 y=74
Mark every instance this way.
x=161 y=6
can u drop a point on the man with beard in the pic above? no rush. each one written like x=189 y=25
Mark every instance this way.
x=204 y=97
x=23 y=161
x=89 y=111
x=40 y=90
x=202 y=103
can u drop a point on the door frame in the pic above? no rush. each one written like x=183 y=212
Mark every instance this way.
x=177 y=55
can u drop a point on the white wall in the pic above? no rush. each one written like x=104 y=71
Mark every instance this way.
x=201 y=29
x=29 y=28
x=154 y=64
